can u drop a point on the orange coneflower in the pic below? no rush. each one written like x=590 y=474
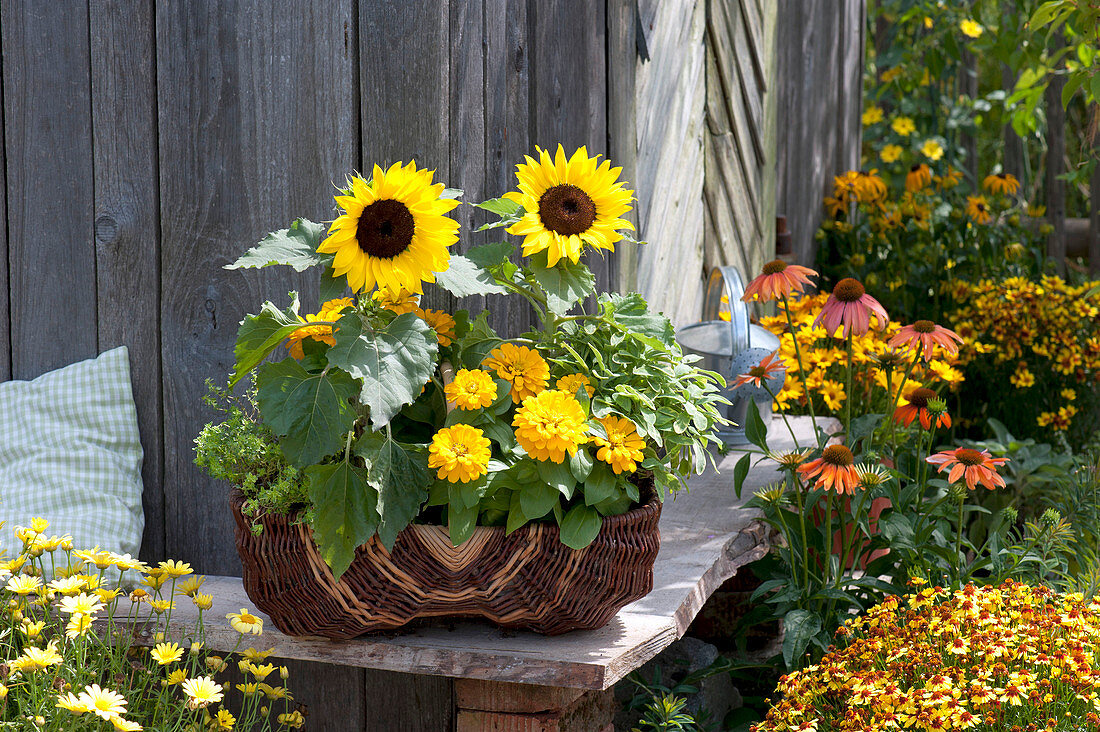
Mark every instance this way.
x=977 y=467
x=927 y=334
x=767 y=368
x=918 y=407
x=918 y=177
x=835 y=470
x=977 y=208
x=1001 y=183
x=778 y=280
x=850 y=305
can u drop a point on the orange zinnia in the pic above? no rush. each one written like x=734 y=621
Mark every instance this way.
x=835 y=470
x=767 y=368
x=927 y=334
x=918 y=407
x=778 y=280
x=974 y=466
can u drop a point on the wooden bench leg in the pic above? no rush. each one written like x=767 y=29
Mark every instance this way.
x=493 y=706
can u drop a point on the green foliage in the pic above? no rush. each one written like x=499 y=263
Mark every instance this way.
x=295 y=246
x=399 y=473
x=345 y=510
x=565 y=284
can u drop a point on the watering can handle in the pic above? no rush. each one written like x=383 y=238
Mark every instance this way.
x=734 y=288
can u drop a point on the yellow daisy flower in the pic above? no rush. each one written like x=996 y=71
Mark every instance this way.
x=176 y=677
x=125 y=725
x=571 y=382
x=166 y=653
x=245 y=622
x=103 y=703
x=971 y=28
x=569 y=203
x=202 y=691
x=77 y=626
x=441 y=322
x=394 y=233
x=932 y=150
x=549 y=425
x=190 y=586
x=622 y=449
x=23 y=584
x=255 y=656
x=223 y=720
x=172 y=568
x=903 y=126
x=261 y=672
x=294 y=719
x=521 y=367
x=71 y=702
x=871 y=115
x=37 y=659
x=890 y=153
x=1005 y=183
x=82 y=604
x=461 y=453
x=471 y=389
x=203 y=602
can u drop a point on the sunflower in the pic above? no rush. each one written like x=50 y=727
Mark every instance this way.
x=521 y=367
x=460 y=453
x=622 y=449
x=549 y=425
x=393 y=233
x=569 y=203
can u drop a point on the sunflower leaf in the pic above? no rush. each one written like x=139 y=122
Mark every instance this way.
x=464 y=278
x=295 y=247
x=452 y=193
x=310 y=412
x=500 y=206
x=394 y=362
x=259 y=335
x=332 y=285
x=400 y=475
x=490 y=255
x=565 y=284
x=345 y=510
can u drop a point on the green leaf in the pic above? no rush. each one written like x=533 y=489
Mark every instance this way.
x=401 y=477
x=755 y=431
x=295 y=247
x=394 y=362
x=565 y=284
x=491 y=255
x=452 y=193
x=799 y=628
x=580 y=526
x=310 y=412
x=537 y=500
x=601 y=484
x=632 y=311
x=500 y=206
x=559 y=476
x=259 y=335
x=464 y=278
x=581 y=465
x=461 y=521
x=1073 y=83
x=345 y=513
x=740 y=472
x=332 y=286
x=516 y=516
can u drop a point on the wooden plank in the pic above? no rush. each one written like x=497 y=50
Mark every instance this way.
x=569 y=86
x=127 y=232
x=334 y=696
x=507 y=130
x=703 y=539
x=398 y=702
x=5 y=333
x=622 y=117
x=48 y=141
x=405 y=93
x=239 y=156
x=1094 y=219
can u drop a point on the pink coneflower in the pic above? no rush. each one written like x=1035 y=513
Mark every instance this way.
x=976 y=467
x=850 y=305
x=835 y=470
x=927 y=334
x=778 y=280
x=918 y=408
x=763 y=372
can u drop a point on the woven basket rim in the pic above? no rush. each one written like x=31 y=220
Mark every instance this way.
x=649 y=491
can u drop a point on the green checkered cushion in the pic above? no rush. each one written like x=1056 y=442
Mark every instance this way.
x=70 y=453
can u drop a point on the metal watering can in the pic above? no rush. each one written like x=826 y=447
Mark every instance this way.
x=730 y=345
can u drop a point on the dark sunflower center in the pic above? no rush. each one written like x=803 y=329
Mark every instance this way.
x=385 y=229
x=838 y=455
x=566 y=209
x=924 y=326
x=848 y=290
x=775 y=267
x=920 y=396
x=966 y=456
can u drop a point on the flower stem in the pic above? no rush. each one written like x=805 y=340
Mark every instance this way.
x=805 y=547
x=849 y=396
x=958 y=535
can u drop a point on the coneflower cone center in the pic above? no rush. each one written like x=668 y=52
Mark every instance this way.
x=757 y=371
x=924 y=326
x=775 y=267
x=566 y=209
x=385 y=229
x=848 y=290
x=920 y=396
x=838 y=455
x=966 y=456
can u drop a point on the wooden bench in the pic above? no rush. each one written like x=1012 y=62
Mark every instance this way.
x=509 y=680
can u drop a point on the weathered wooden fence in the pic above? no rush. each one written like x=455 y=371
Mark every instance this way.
x=146 y=143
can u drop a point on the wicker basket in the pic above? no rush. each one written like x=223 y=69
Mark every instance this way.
x=528 y=579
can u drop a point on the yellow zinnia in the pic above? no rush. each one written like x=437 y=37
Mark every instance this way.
x=461 y=453
x=549 y=425
x=571 y=382
x=871 y=115
x=971 y=28
x=471 y=389
x=622 y=449
x=521 y=367
x=569 y=203
x=394 y=232
x=400 y=302
x=441 y=322
x=330 y=313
